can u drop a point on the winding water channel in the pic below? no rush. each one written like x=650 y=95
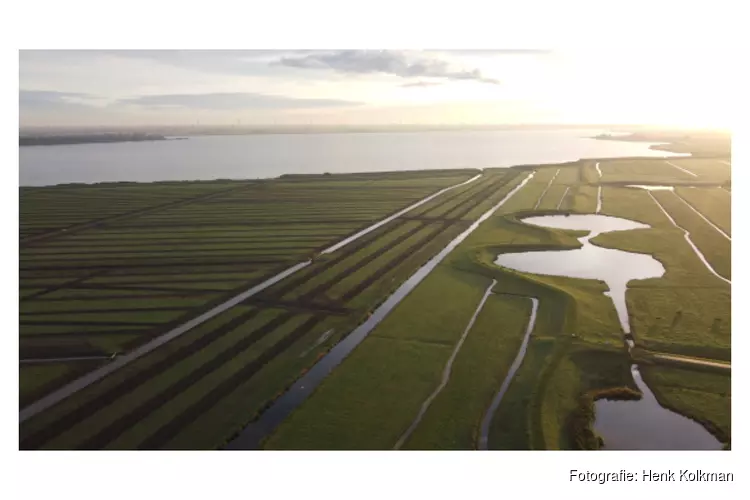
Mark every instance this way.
x=484 y=430
x=446 y=371
x=615 y=267
x=635 y=424
x=645 y=425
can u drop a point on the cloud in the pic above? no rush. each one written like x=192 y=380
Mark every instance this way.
x=384 y=61
x=229 y=100
x=420 y=83
x=236 y=62
x=46 y=99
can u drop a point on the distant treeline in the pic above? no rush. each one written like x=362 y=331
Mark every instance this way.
x=49 y=140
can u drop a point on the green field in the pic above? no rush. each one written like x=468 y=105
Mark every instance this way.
x=575 y=350
x=714 y=203
x=106 y=268
x=186 y=393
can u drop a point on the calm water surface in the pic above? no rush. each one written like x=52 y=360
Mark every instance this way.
x=623 y=425
x=615 y=267
x=263 y=156
x=645 y=425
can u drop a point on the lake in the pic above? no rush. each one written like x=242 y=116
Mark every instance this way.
x=264 y=156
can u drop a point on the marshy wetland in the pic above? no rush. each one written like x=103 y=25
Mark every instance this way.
x=536 y=307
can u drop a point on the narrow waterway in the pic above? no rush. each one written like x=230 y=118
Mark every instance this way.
x=645 y=425
x=251 y=437
x=484 y=430
x=717 y=228
x=697 y=252
x=549 y=184
x=446 y=370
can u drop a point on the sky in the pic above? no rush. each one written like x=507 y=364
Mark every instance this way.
x=373 y=87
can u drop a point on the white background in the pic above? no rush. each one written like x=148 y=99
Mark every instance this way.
x=401 y=24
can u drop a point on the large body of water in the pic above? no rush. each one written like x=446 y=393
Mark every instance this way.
x=264 y=156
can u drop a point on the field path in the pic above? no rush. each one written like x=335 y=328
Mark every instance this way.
x=546 y=189
x=680 y=168
x=703 y=216
x=687 y=238
x=598 y=169
x=446 y=370
x=563 y=197
x=121 y=361
x=484 y=430
x=599 y=200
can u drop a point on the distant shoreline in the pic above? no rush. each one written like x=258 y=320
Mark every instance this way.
x=677 y=142
x=59 y=140
x=207 y=130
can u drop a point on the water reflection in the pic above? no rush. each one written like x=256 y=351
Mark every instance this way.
x=644 y=425
x=615 y=267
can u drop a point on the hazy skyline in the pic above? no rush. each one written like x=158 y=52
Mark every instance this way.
x=371 y=87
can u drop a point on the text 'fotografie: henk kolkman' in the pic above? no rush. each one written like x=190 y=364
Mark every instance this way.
x=682 y=475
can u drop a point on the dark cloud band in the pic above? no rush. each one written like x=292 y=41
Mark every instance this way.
x=386 y=62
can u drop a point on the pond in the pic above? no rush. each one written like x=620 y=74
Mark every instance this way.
x=623 y=425
x=614 y=267
x=645 y=425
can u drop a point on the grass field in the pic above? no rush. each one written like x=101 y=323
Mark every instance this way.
x=642 y=171
x=576 y=347
x=186 y=393
x=714 y=203
x=715 y=248
x=105 y=268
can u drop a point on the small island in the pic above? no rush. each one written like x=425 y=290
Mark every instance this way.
x=52 y=140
